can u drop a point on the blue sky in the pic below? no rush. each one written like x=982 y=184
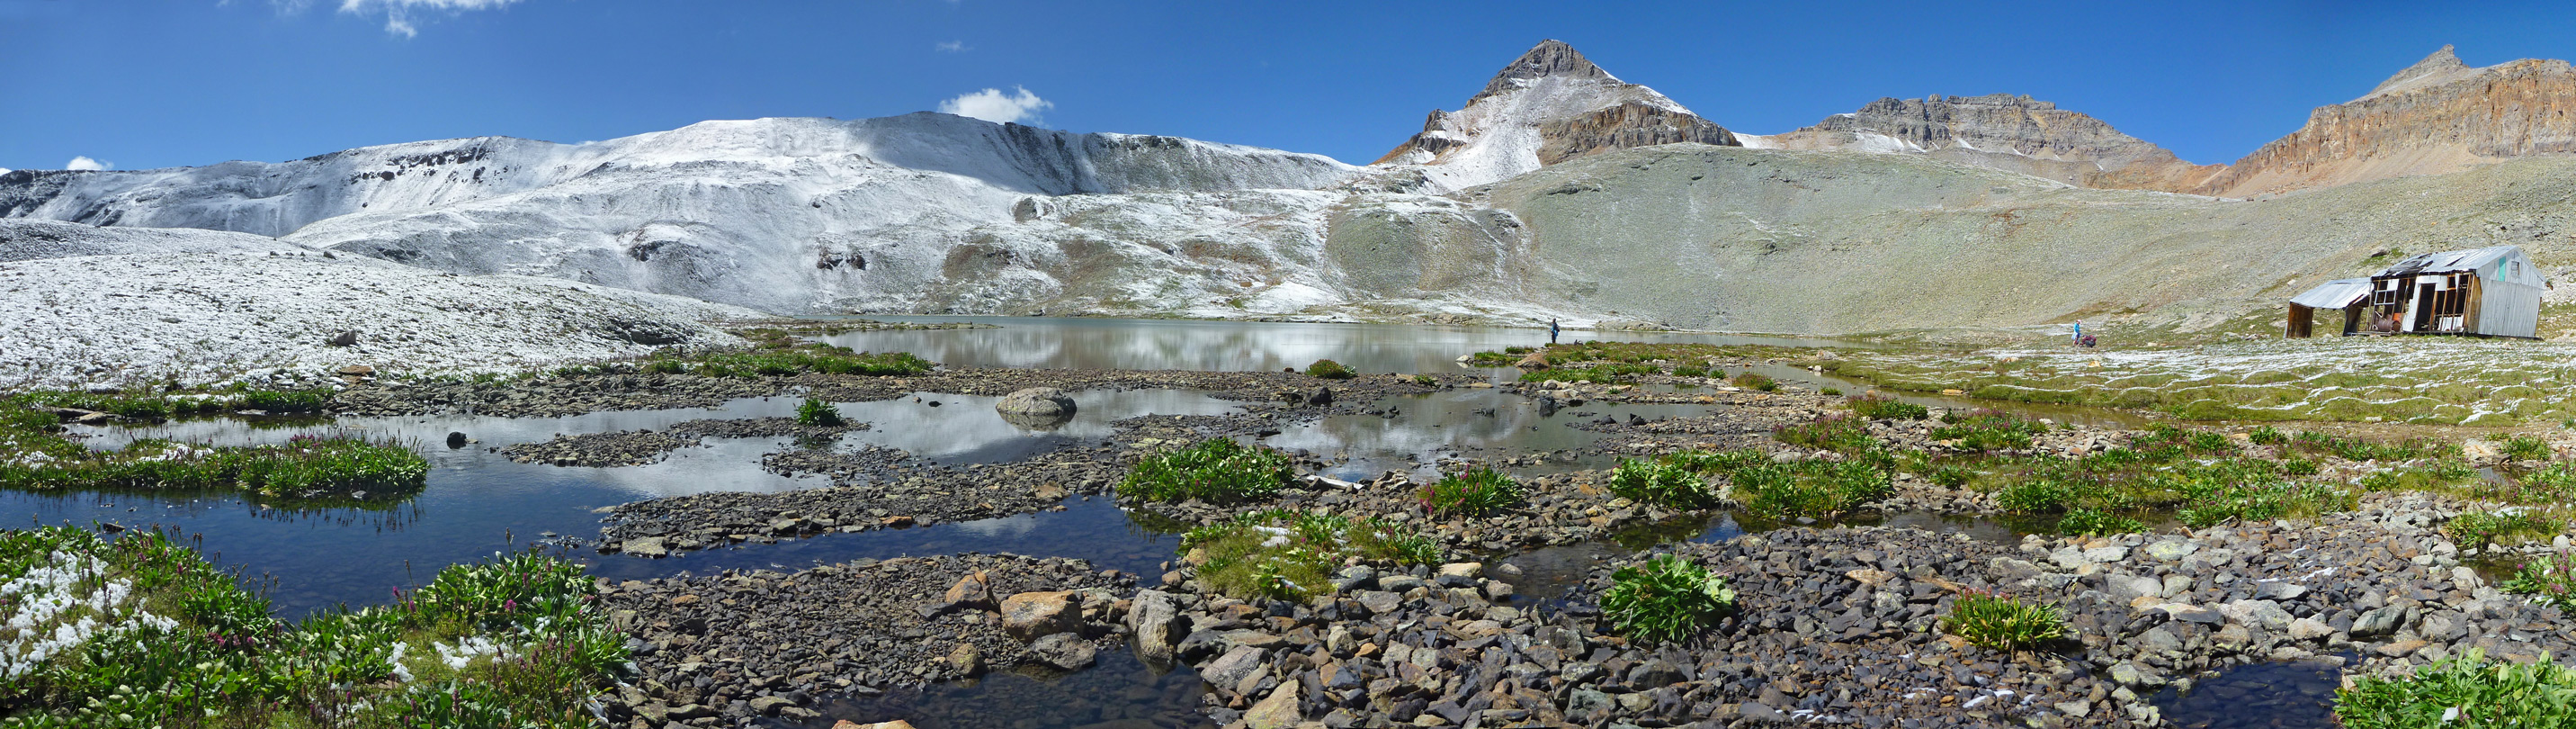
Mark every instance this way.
x=155 y=83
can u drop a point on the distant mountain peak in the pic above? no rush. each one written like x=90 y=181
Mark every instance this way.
x=2440 y=67
x=1547 y=106
x=1549 y=58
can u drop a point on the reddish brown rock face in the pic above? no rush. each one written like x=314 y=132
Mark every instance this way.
x=2434 y=117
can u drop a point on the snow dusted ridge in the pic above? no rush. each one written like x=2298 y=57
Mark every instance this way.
x=268 y=318
x=22 y=240
x=785 y=215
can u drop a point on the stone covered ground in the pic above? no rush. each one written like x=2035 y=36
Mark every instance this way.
x=1837 y=623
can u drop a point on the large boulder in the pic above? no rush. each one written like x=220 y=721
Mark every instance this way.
x=1158 y=625
x=1032 y=615
x=1036 y=408
x=1037 y=401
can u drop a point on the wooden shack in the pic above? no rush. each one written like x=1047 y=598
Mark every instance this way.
x=2485 y=292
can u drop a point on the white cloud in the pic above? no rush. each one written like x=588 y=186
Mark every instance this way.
x=955 y=46
x=398 y=13
x=85 y=163
x=994 y=106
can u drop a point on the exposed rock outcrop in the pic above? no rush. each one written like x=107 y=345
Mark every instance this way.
x=2005 y=132
x=2435 y=117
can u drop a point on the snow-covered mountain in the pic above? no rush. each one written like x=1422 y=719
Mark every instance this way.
x=1550 y=105
x=1558 y=190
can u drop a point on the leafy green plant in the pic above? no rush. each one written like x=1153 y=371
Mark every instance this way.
x=1809 y=488
x=1662 y=482
x=2549 y=579
x=1751 y=380
x=2000 y=622
x=1216 y=470
x=2465 y=690
x=1690 y=371
x=2267 y=435
x=1330 y=370
x=819 y=413
x=1830 y=392
x=1477 y=492
x=1665 y=599
x=164 y=639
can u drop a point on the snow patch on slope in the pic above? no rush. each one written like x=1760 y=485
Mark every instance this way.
x=205 y=317
x=22 y=240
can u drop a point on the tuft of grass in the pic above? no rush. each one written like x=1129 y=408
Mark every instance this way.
x=1838 y=433
x=1665 y=600
x=2465 y=690
x=33 y=457
x=1330 y=370
x=1285 y=554
x=1882 y=407
x=2088 y=522
x=819 y=413
x=1751 y=380
x=1830 y=392
x=1216 y=470
x=2000 y=622
x=2526 y=448
x=2267 y=435
x=2518 y=526
x=778 y=353
x=1663 y=482
x=1477 y=492
x=1988 y=430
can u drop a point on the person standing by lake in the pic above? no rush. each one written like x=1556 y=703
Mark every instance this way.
x=2079 y=332
x=1551 y=331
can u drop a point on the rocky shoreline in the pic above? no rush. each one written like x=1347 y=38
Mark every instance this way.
x=1834 y=625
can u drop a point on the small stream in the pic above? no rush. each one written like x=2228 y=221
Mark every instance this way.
x=2277 y=695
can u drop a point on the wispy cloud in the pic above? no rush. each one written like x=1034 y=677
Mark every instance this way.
x=85 y=163
x=994 y=106
x=955 y=46
x=399 y=14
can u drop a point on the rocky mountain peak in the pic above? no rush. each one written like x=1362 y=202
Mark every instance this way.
x=1549 y=105
x=1549 y=58
x=2437 y=116
x=2442 y=66
x=2002 y=131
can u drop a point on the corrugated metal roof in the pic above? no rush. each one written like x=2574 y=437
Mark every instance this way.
x=2335 y=294
x=2447 y=261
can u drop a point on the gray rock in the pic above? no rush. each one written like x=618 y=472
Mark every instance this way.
x=1036 y=401
x=2129 y=674
x=647 y=547
x=1354 y=577
x=1063 y=650
x=2194 y=614
x=1380 y=602
x=1399 y=584
x=1229 y=669
x=2309 y=629
x=2380 y=622
x=2279 y=590
x=2170 y=550
x=1155 y=617
x=2125 y=587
